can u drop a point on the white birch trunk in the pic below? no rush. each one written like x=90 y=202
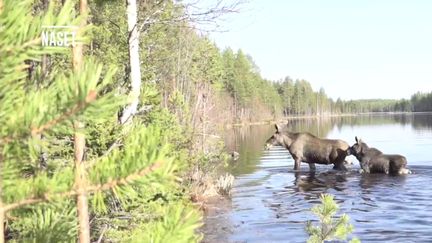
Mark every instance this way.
x=134 y=60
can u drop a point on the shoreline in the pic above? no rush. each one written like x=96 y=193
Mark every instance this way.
x=298 y=117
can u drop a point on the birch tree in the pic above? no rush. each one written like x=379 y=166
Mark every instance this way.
x=134 y=61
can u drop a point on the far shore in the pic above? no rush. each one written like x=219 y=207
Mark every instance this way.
x=322 y=116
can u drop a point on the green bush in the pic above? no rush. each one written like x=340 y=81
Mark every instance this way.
x=329 y=227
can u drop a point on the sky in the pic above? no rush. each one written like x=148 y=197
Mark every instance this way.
x=359 y=49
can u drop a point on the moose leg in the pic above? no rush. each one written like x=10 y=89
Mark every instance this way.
x=339 y=164
x=366 y=168
x=312 y=167
x=297 y=162
x=364 y=165
x=339 y=161
x=398 y=166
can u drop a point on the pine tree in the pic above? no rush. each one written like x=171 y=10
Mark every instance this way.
x=329 y=228
x=37 y=199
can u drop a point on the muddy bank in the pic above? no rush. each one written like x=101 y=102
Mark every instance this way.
x=217 y=226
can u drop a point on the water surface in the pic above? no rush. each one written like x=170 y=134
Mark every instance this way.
x=271 y=202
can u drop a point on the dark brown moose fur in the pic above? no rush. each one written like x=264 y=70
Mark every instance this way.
x=305 y=147
x=373 y=160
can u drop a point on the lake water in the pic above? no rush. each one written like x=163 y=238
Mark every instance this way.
x=271 y=203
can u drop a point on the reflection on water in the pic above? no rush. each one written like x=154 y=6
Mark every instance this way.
x=271 y=202
x=249 y=143
x=407 y=134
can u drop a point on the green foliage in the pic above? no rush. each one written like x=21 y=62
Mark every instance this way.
x=109 y=43
x=144 y=206
x=140 y=149
x=137 y=163
x=173 y=133
x=420 y=102
x=298 y=97
x=177 y=225
x=329 y=228
x=243 y=82
x=58 y=102
x=207 y=65
x=24 y=108
x=46 y=223
x=369 y=105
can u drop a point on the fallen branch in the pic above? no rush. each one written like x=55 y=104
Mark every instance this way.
x=5 y=140
x=103 y=232
x=144 y=109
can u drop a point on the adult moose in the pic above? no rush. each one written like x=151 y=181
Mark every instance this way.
x=373 y=160
x=305 y=147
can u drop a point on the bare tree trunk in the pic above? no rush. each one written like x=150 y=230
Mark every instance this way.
x=45 y=4
x=134 y=60
x=79 y=147
x=204 y=121
x=80 y=183
x=43 y=155
x=44 y=65
x=236 y=112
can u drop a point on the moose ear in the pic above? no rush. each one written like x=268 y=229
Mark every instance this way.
x=278 y=128
x=358 y=140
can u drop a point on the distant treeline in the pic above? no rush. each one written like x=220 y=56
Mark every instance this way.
x=250 y=91
x=299 y=98
x=421 y=102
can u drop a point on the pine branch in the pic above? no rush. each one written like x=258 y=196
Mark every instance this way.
x=91 y=96
x=124 y=181
x=32 y=42
x=24 y=45
x=5 y=140
x=90 y=189
x=113 y=146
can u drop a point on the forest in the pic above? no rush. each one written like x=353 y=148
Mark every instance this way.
x=116 y=137
x=299 y=98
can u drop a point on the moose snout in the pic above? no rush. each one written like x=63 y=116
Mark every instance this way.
x=267 y=146
x=349 y=151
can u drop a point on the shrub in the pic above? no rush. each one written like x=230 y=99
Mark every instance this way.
x=330 y=227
